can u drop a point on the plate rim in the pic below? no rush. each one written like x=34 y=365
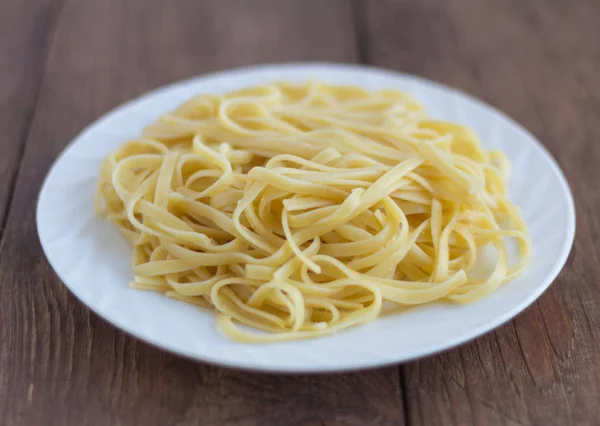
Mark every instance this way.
x=432 y=349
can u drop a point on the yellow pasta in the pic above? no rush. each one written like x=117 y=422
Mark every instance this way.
x=303 y=209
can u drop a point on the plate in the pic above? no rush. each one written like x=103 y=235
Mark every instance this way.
x=94 y=261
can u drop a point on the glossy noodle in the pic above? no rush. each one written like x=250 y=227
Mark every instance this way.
x=304 y=209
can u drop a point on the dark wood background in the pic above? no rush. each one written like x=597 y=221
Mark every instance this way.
x=63 y=63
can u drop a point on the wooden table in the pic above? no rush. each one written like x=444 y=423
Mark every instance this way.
x=63 y=63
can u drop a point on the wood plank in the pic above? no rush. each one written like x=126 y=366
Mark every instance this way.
x=61 y=364
x=26 y=28
x=537 y=61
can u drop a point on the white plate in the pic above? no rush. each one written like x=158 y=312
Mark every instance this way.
x=94 y=261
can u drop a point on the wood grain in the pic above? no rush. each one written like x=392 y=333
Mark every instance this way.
x=538 y=61
x=25 y=29
x=62 y=365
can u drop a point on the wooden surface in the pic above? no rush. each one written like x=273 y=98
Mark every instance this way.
x=63 y=63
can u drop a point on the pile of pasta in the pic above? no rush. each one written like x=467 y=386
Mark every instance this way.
x=304 y=209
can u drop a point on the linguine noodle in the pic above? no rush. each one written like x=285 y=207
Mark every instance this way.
x=303 y=209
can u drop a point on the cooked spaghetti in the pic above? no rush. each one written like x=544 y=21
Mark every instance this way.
x=304 y=209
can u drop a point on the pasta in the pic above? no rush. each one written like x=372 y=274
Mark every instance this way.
x=303 y=209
